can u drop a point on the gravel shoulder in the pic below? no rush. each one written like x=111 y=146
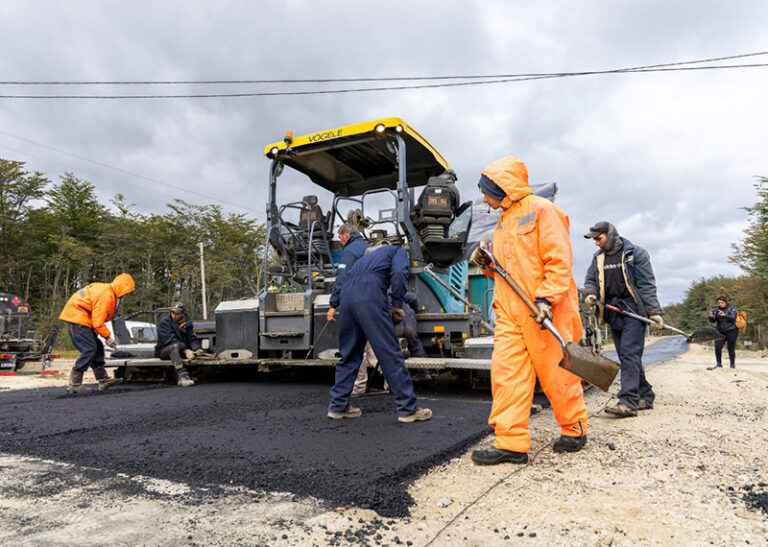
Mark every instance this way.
x=693 y=470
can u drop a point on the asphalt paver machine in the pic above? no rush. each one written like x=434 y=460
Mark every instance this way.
x=385 y=178
x=389 y=181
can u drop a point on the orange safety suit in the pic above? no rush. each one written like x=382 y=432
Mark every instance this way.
x=95 y=304
x=532 y=243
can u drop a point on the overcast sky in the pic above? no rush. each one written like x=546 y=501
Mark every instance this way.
x=670 y=158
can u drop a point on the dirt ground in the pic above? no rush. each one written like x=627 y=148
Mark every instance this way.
x=693 y=470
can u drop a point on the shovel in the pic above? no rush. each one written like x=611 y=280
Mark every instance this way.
x=595 y=369
x=698 y=337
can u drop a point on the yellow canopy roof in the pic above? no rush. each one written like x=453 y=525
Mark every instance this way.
x=352 y=159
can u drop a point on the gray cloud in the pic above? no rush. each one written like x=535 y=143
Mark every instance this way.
x=669 y=158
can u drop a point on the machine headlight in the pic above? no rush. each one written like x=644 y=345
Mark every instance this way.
x=379 y=128
x=273 y=151
x=399 y=128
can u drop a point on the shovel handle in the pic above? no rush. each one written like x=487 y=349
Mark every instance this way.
x=547 y=323
x=644 y=319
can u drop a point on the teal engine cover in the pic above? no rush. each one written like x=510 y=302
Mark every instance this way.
x=456 y=278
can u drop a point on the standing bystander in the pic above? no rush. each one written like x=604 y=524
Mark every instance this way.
x=724 y=317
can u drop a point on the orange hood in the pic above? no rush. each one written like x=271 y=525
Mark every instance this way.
x=123 y=284
x=511 y=175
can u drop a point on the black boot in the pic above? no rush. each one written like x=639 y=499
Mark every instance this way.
x=494 y=456
x=569 y=444
x=719 y=365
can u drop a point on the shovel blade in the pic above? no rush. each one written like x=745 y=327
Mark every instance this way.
x=595 y=369
x=705 y=335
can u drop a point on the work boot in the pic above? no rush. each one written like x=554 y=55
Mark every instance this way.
x=105 y=382
x=733 y=365
x=719 y=365
x=620 y=410
x=569 y=444
x=350 y=412
x=183 y=379
x=421 y=415
x=644 y=405
x=76 y=382
x=495 y=456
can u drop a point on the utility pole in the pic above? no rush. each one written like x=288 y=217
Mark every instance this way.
x=202 y=277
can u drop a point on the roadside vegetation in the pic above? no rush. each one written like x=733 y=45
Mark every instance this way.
x=57 y=236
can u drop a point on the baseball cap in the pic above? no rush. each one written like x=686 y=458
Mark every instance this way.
x=599 y=228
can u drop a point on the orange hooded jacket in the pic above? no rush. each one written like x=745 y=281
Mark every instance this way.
x=532 y=243
x=94 y=304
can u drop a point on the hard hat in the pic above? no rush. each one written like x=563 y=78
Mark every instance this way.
x=178 y=307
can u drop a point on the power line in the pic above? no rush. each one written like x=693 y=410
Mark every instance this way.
x=381 y=79
x=386 y=88
x=82 y=171
x=124 y=171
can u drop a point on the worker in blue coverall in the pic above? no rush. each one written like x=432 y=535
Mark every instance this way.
x=367 y=315
x=354 y=248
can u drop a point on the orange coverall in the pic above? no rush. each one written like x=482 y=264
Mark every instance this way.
x=532 y=242
x=94 y=304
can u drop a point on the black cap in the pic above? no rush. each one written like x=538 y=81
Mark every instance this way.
x=177 y=307
x=599 y=228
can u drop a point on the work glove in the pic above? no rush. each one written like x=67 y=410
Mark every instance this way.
x=659 y=322
x=188 y=354
x=480 y=259
x=111 y=342
x=199 y=352
x=545 y=311
x=590 y=300
x=397 y=315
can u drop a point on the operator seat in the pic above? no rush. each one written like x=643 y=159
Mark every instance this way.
x=442 y=221
x=311 y=219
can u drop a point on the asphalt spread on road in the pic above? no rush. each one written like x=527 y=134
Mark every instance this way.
x=263 y=435
x=271 y=434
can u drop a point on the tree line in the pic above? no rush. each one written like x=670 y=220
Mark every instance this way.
x=56 y=237
x=747 y=292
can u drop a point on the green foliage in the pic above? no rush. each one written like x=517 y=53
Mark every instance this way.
x=747 y=292
x=17 y=189
x=71 y=239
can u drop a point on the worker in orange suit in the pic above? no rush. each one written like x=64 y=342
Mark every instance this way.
x=532 y=242
x=86 y=313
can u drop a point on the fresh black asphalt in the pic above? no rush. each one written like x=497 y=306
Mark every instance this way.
x=271 y=434
x=265 y=435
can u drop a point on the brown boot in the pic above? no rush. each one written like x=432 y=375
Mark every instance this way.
x=105 y=382
x=76 y=382
x=183 y=379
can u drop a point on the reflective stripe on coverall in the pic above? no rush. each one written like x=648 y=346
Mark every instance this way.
x=532 y=242
x=94 y=305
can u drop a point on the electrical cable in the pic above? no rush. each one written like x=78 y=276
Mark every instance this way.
x=91 y=175
x=519 y=468
x=373 y=79
x=370 y=89
x=126 y=172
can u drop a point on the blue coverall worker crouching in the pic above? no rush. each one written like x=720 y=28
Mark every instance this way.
x=176 y=337
x=367 y=315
